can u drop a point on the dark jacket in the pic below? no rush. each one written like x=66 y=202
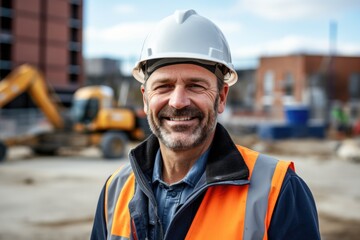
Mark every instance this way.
x=294 y=217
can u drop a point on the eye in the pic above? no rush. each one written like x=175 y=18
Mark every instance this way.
x=196 y=87
x=163 y=87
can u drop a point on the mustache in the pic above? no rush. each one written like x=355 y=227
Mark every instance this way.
x=189 y=111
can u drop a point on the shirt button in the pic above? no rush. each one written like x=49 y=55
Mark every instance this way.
x=173 y=194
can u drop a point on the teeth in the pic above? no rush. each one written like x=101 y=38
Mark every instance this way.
x=180 y=119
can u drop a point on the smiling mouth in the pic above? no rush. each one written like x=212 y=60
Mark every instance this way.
x=179 y=118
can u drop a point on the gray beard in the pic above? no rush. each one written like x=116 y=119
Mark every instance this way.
x=199 y=135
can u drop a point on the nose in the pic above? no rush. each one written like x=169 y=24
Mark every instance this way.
x=179 y=98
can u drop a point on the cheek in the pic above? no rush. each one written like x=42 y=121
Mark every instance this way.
x=207 y=100
x=208 y=95
x=155 y=103
x=211 y=98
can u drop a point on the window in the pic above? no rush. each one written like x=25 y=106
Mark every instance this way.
x=75 y=21
x=5 y=23
x=5 y=51
x=288 y=84
x=74 y=35
x=268 y=83
x=73 y=78
x=354 y=86
x=5 y=59
x=73 y=58
x=6 y=3
x=4 y=72
x=74 y=11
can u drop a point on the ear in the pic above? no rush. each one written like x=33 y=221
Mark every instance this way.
x=142 y=89
x=223 y=97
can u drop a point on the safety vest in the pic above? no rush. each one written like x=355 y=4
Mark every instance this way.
x=226 y=211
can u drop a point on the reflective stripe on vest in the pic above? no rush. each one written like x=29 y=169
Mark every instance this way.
x=117 y=197
x=263 y=187
x=226 y=212
x=113 y=237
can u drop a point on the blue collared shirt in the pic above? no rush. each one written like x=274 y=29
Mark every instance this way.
x=169 y=197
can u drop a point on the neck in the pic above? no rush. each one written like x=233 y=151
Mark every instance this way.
x=176 y=164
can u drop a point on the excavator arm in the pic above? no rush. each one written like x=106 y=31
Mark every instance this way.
x=27 y=79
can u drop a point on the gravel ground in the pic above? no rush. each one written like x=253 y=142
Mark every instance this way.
x=55 y=198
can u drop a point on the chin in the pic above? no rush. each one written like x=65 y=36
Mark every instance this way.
x=182 y=141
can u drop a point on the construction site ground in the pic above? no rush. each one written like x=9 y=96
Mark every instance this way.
x=55 y=197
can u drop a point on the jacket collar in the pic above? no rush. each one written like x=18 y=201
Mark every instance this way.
x=224 y=162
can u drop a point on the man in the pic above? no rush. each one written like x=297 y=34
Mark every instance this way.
x=189 y=180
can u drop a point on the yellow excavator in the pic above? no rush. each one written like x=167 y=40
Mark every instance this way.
x=93 y=120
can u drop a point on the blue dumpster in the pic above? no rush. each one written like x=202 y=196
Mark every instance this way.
x=297 y=114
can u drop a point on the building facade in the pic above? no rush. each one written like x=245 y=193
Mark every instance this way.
x=48 y=35
x=314 y=81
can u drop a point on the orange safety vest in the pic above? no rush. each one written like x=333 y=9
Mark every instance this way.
x=226 y=211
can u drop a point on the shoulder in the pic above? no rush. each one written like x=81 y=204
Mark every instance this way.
x=120 y=175
x=117 y=181
x=109 y=192
x=294 y=184
x=295 y=214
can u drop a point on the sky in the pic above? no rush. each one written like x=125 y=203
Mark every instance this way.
x=253 y=28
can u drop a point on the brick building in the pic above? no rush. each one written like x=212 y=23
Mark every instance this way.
x=46 y=34
x=316 y=81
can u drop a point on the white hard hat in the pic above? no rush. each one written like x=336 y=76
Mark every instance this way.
x=186 y=35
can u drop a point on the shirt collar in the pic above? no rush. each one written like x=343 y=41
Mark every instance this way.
x=157 y=167
x=191 y=178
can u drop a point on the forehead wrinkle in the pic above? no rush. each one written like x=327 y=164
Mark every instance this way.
x=172 y=74
x=195 y=79
x=198 y=80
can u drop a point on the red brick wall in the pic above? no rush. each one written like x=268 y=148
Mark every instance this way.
x=26 y=52
x=41 y=35
x=27 y=7
x=302 y=67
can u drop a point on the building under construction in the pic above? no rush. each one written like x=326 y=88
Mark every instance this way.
x=48 y=35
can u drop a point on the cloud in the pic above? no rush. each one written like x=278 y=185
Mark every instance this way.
x=351 y=49
x=123 y=39
x=125 y=9
x=229 y=28
x=127 y=34
x=293 y=44
x=295 y=9
x=124 y=32
x=290 y=44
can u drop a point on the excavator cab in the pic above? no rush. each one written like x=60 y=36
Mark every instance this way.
x=85 y=110
x=93 y=111
x=89 y=101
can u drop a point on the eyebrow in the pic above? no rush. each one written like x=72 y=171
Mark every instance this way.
x=160 y=81
x=166 y=79
x=191 y=80
x=198 y=80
